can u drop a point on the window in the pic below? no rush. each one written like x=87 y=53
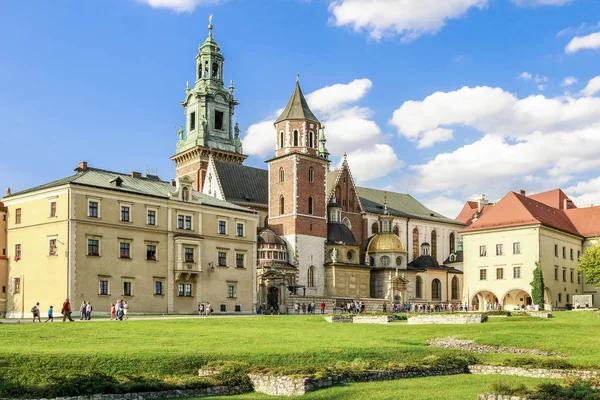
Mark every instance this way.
x=192 y=120
x=517 y=248
x=571 y=272
x=52 y=209
x=482 y=251
x=158 y=287
x=560 y=297
x=180 y=289
x=419 y=287
x=579 y=277
x=295 y=138
x=452 y=242
x=151 y=217
x=310 y=281
x=398 y=261
x=127 y=288
x=180 y=222
x=189 y=254
x=311 y=175
x=103 y=287
x=222 y=227
x=222 y=259
x=52 y=247
x=578 y=254
x=434 y=244
x=239 y=260
x=564 y=274
x=223 y=307
x=571 y=254
x=281 y=175
x=184 y=222
x=349 y=255
x=567 y=297
x=555 y=250
x=238 y=308
x=281 y=139
x=483 y=274
x=240 y=229
x=219 y=120
x=17 y=285
x=125 y=213
x=125 y=250
x=415 y=243
x=93 y=247
x=310 y=139
x=93 y=209
x=375 y=228
x=499 y=273
x=499 y=250
x=231 y=291
x=17 y=252
x=17 y=216
x=188 y=222
x=310 y=205
x=564 y=252
x=150 y=252
x=516 y=272
x=384 y=261
x=454 y=288
x=555 y=273
x=436 y=290
x=281 y=205
x=188 y=290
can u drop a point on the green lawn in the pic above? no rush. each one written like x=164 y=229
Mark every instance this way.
x=171 y=350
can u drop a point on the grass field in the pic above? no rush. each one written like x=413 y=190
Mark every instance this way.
x=171 y=351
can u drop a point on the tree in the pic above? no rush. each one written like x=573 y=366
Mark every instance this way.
x=537 y=286
x=589 y=264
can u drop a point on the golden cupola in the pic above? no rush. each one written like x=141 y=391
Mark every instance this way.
x=385 y=241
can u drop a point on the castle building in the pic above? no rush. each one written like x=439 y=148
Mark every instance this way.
x=503 y=241
x=101 y=236
x=3 y=260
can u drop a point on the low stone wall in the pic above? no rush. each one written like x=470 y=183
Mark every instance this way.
x=534 y=372
x=295 y=386
x=340 y=318
x=493 y=396
x=452 y=342
x=540 y=314
x=362 y=319
x=425 y=319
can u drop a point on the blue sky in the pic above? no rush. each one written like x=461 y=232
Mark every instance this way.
x=443 y=100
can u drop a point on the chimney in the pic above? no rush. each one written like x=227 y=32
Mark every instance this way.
x=481 y=201
x=136 y=174
x=522 y=192
x=7 y=193
x=568 y=203
x=173 y=182
x=82 y=166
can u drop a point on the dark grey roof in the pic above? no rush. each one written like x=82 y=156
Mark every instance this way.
x=297 y=108
x=458 y=259
x=423 y=263
x=243 y=184
x=340 y=234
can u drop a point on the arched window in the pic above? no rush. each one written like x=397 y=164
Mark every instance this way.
x=310 y=282
x=311 y=175
x=295 y=138
x=281 y=175
x=310 y=205
x=436 y=290
x=338 y=194
x=375 y=228
x=434 y=244
x=347 y=222
x=455 y=288
x=419 y=288
x=281 y=205
x=185 y=194
x=351 y=200
x=281 y=139
x=452 y=242
x=396 y=231
x=199 y=71
x=415 y=243
x=215 y=71
x=310 y=140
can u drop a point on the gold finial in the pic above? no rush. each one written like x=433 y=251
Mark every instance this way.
x=210 y=25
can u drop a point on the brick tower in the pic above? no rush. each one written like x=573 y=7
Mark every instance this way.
x=297 y=190
x=208 y=109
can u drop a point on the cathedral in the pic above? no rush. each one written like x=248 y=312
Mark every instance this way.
x=321 y=237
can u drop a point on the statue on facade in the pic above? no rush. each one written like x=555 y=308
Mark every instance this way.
x=334 y=255
x=204 y=123
x=236 y=130
x=367 y=259
x=180 y=132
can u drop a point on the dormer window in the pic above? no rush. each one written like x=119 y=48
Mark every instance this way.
x=192 y=120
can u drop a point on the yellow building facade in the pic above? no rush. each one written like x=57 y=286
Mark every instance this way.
x=3 y=260
x=101 y=236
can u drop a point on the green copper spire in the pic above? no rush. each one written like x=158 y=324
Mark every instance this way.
x=297 y=107
x=209 y=106
x=323 y=152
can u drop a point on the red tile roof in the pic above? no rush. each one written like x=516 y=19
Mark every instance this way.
x=554 y=198
x=467 y=212
x=586 y=220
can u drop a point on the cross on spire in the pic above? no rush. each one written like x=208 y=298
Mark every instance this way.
x=210 y=25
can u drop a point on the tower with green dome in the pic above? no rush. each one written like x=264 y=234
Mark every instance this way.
x=208 y=109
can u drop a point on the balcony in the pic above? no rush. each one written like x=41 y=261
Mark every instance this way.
x=187 y=270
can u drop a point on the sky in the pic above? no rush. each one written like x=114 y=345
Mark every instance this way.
x=443 y=100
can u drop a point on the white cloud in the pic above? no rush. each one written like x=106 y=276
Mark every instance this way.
x=569 y=81
x=535 y=3
x=373 y=162
x=434 y=136
x=179 y=5
x=260 y=139
x=585 y=193
x=541 y=87
x=332 y=98
x=446 y=206
x=409 y=19
x=592 y=87
x=540 y=79
x=578 y=31
x=591 y=41
x=526 y=76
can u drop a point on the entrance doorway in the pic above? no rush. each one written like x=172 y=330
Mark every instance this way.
x=272 y=296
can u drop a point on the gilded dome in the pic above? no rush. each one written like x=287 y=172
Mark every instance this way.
x=385 y=243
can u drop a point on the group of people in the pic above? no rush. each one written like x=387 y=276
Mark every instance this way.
x=119 y=311
x=205 y=309
x=65 y=311
x=86 y=311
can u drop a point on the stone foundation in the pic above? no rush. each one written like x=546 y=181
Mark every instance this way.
x=362 y=319
x=493 y=396
x=533 y=373
x=470 y=345
x=424 y=319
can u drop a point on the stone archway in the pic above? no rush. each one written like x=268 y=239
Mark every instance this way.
x=484 y=300
x=516 y=298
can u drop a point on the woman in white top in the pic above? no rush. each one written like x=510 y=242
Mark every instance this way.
x=125 y=309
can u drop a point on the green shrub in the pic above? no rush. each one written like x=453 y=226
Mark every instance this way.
x=506 y=388
x=545 y=363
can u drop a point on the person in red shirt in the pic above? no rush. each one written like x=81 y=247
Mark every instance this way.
x=66 y=311
x=322 y=307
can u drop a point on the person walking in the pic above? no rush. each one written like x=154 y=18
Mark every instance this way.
x=50 y=314
x=66 y=311
x=35 y=310
x=82 y=310
x=125 y=310
x=120 y=310
x=208 y=309
x=113 y=311
x=88 y=311
x=323 y=307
